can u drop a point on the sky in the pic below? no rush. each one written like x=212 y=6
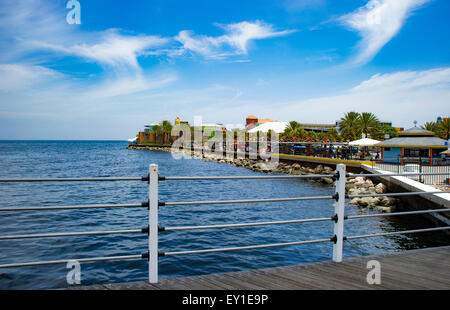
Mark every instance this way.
x=117 y=66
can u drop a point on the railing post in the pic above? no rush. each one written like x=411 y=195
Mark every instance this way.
x=153 y=224
x=339 y=214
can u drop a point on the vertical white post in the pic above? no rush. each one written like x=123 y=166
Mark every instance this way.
x=339 y=214
x=153 y=224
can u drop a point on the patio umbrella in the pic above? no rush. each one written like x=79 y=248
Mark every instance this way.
x=364 y=142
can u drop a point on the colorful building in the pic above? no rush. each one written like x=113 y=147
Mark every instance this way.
x=414 y=143
x=252 y=122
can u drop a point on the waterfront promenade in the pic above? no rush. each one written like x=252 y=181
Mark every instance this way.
x=426 y=269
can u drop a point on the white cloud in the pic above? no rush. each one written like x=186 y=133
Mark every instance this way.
x=18 y=76
x=234 y=42
x=401 y=97
x=378 y=22
x=129 y=85
x=113 y=49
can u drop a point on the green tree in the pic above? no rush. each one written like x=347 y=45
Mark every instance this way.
x=385 y=130
x=167 y=131
x=368 y=123
x=350 y=126
x=332 y=135
x=294 y=130
x=443 y=128
x=431 y=126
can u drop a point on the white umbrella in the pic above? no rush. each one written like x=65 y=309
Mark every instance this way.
x=364 y=142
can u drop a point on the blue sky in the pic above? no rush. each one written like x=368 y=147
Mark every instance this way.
x=133 y=62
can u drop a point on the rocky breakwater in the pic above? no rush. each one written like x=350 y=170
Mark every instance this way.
x=363 y=186
x=354 y=185
x=148 y=147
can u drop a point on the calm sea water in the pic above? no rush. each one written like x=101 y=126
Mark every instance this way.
x=110 y=159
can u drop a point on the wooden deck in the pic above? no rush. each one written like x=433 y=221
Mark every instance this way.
x=415 y=269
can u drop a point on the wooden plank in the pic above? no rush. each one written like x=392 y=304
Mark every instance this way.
x=414 y=269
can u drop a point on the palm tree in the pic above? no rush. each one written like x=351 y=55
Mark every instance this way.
x=157 y=130
x=294 y=130
x=443 y=128
x=332 y=135
x=167 y=130
x=368 y=123
x=430 y=126
x=350 y=125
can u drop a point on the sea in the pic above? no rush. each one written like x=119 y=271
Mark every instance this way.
x=75 y=159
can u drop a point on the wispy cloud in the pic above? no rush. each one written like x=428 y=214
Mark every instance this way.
x=18 y=77
x=112 y=48
x=401 y=97
x=378 y=22
x=234 y=42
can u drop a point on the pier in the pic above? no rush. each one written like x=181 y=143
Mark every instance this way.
x=422 y=269
x=412 y=269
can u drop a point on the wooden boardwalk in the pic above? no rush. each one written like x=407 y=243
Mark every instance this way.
x=415 y=269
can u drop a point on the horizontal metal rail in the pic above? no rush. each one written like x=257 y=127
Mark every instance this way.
x=248 y=177
x=245 y=247
x=399 y=232
x=350 y=217
x=32 y=180
x=398 y=194
x=80 y=260
x=404 y=174
x=247 y=224
x=189 y=203
x=71 y=234
x=73 y=207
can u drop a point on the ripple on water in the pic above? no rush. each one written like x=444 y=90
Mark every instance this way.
x=106 y=159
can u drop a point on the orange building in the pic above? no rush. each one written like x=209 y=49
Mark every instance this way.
x=252 y=122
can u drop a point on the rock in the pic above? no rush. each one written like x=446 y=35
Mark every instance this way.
x=296 y=166
x=354 y=201
x=349 y=186
x=370 y=202
x=388 y=201
x=360 y=180
x=327 y=180
x=328 y=170
x=380 y=188
x=319 y=169
x=385 y=209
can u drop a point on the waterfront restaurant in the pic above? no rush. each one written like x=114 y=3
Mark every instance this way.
x=414 y=143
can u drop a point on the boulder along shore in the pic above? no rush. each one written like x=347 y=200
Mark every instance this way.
x=354 y=185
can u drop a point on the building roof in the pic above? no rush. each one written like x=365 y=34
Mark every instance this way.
x=267 y=120
x=278 y=127
x=408 y=141
x=252 y=117
x=416 y=131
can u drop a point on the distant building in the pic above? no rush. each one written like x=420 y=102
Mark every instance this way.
x=412 y=143
x=252 y=122
x=277 y=127
x=318 y=128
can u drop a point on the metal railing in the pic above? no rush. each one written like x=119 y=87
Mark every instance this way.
x=154 y=229
x=434 y=171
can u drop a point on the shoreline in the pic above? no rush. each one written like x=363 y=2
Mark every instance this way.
x=354 y=186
